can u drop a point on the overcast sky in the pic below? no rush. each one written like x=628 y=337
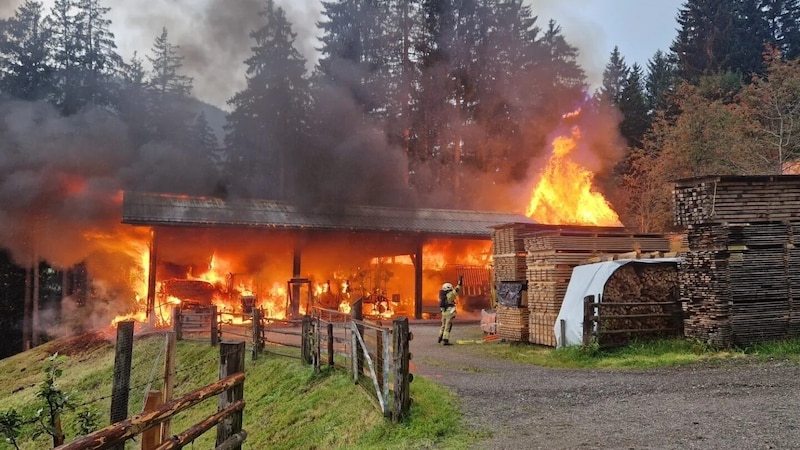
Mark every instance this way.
x=213 y=34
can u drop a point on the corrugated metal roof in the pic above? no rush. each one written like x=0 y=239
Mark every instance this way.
x=177 y=210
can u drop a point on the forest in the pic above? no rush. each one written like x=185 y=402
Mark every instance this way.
x=412 y=103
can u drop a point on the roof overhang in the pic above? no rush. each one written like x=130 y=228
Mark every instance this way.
x=151 y=209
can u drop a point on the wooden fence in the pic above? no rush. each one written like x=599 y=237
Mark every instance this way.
x=374 y=353
x=618 y=323
x=228 y=418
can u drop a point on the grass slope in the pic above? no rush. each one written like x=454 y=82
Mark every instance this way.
x=288 y=406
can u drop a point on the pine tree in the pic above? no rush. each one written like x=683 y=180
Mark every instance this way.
x=166 y=79
x=660 y=82
x=25 y=58
x=67 y=51
x=615 y=77
x=783 y=23
x=133 y=101
x=268 y=120
x=716 y=36
x=204 y=142
x=170 y=117
x=99 y=61
x=634 y=108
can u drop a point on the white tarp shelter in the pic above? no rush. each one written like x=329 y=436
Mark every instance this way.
x=589 y=279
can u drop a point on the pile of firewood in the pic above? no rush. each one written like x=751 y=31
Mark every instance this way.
x=647 y=296
x=740 y=276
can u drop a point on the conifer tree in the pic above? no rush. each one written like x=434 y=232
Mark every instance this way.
x=25 y=57
x=268 y=120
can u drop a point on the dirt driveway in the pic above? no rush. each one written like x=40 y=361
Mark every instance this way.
x=731 y=405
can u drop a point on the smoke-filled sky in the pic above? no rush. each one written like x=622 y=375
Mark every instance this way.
x=213 y=34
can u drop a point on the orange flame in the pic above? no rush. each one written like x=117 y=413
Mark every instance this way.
x=564 y=194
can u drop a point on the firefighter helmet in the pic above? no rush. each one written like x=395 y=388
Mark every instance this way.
x=447 y=287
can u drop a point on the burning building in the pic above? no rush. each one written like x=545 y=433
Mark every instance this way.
x=244 y=253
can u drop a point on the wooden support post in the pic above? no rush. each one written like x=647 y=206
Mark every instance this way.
x=169 y=380
x=123 y=354
x=214 y=327
x=151 y=437
x=402 y=373
x=231 y=362
x=151 y=278
x=588 y=320
x=305 y=340
x=330 y=345
x=418 y=281
x=176 y=322
x=563 y=333
x=256 y=333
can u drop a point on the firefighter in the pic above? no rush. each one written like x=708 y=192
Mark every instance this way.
x=447 y=303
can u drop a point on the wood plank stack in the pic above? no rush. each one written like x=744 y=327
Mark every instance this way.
x=737 y=199
x=739 y=279
x=512 y=323
x=545 y=255
x=552 y=254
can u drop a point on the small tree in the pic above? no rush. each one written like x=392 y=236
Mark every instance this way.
x=10 y=424
x=56 y=401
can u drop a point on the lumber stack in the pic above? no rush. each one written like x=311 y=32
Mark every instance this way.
x=552 y=253
x=722 y=199
x=740 y=276
x=512 y=323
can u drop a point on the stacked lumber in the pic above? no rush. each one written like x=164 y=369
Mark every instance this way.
x=510 y=238
x=737 y=199
x=738 y=282
x=552 y=254
x=512 y=323
x=509 y=267
x=541 y=328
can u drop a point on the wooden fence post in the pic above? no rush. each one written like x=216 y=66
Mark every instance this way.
x=231 y=362
x=588 y=321
x=169 y=380
x=256 y=333
x=214 y=327
x=122 y=373
x=176 y=322
x=402 y=374
x=317 y=350
x=357 y=314
x=151 y=437
x=379 y=356
x=330 y=345
x=305 y=341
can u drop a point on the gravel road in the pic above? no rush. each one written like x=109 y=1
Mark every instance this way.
x=741 y=404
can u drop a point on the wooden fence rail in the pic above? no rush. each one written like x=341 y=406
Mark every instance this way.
x=228 y=418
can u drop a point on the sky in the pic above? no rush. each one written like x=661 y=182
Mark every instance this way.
x=213 y=34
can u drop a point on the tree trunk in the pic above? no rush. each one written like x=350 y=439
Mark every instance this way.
x=26 y=310
x=37 y=326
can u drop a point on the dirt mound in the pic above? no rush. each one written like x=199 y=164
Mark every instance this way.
x=81 y=343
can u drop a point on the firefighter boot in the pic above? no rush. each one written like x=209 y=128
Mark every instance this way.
x=447 y=342
x=440 y=339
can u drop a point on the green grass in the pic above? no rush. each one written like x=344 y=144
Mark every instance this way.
x=638 y=355
x=288 y=406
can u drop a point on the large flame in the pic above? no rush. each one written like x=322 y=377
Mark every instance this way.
x=564 y=194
